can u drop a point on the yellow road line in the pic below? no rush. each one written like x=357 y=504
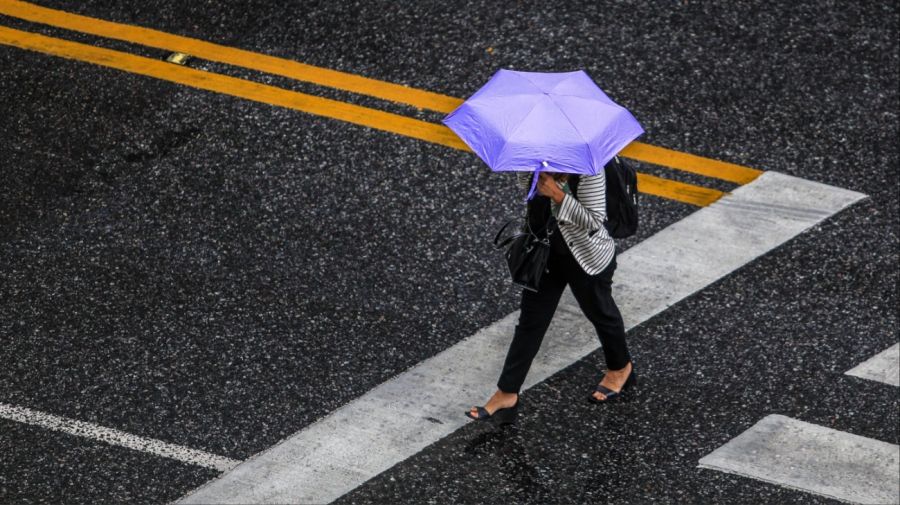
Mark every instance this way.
x=372 y=118
x=230 y=55
x=676 y=190
x=335 y=79
x=263 y=93
x=690 y=163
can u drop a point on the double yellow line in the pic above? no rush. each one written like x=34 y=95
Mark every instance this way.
x=356 y=114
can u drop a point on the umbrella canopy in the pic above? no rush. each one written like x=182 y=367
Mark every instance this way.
x=537 y=121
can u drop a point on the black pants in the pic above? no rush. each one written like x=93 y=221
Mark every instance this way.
x=594 y=296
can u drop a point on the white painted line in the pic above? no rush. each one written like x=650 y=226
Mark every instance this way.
x=116 y=437
x=812 y=458
x=391 y=422
x=883 y=367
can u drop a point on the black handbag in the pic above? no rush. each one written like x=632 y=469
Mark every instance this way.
x=526 y=255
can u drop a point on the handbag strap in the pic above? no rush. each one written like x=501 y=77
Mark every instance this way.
x=500 y=245
x=508 y=240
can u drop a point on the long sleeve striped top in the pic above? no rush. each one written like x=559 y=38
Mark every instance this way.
x=581 y=221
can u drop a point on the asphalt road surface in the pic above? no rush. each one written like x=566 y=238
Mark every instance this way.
x=218 y=273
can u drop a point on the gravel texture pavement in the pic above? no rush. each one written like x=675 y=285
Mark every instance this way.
x=219 y=273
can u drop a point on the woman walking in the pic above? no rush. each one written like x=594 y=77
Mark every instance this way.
x=582 y=256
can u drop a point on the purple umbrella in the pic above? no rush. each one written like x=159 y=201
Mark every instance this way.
x=537 y=121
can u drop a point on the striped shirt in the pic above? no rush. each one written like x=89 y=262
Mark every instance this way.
x=581 y=221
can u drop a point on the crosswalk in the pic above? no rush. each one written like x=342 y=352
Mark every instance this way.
x=315 y=465
x=815 y=459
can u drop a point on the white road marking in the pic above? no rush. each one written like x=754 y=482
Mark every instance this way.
x=116 y=437
x=812 y=458
x=883 y=367
x=402 y=416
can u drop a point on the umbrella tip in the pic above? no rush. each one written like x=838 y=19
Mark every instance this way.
x=544 y=163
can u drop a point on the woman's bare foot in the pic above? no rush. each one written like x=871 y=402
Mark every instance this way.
x=500 y=400
x=614 y=380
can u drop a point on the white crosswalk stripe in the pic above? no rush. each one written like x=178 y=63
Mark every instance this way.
x=819 y=460
x=883 y=367
x=812 y=458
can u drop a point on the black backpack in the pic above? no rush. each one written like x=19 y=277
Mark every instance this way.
x=621 y=198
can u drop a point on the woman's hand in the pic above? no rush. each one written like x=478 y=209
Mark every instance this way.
x=547 y=186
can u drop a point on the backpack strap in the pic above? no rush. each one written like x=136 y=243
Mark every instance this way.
x=574 y=179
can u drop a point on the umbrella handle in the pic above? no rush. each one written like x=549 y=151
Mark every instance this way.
x=534 y=181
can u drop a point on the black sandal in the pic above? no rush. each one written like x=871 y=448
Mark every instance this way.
x=500 y=416
x=614 y=396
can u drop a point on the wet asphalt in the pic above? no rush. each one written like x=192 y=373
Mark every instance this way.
x=219 y=274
